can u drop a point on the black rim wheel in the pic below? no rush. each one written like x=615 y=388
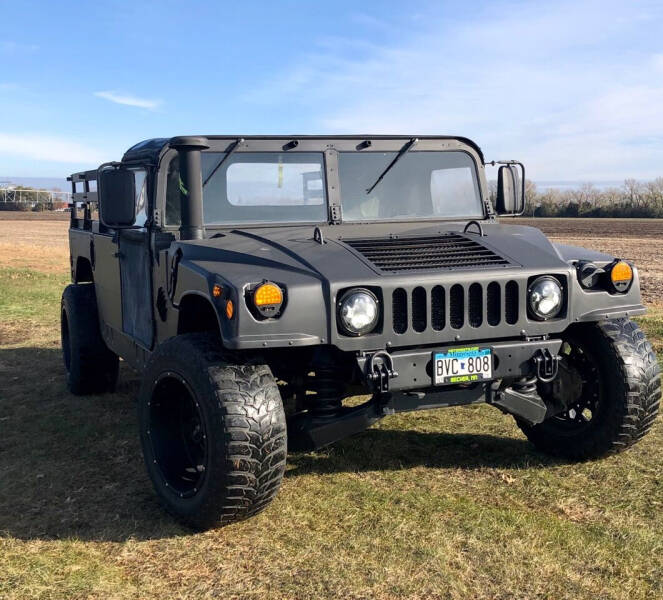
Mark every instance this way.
x=580 y=373
x=178 y=435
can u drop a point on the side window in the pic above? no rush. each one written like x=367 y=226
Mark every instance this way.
x=140 y=177
x=173 y=214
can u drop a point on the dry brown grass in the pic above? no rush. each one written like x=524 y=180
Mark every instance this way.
x=442 y=504
x=33 y=216
x=39 y=245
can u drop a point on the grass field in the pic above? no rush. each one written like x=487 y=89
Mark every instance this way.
x=442 y=504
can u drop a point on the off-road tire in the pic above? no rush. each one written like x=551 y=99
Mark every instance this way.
x=242 y=413
x=631 y=380
x=90 y=366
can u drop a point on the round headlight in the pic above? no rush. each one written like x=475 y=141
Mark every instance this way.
x=358 y=311
x=545 y=297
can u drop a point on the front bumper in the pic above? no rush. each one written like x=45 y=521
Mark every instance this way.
x=511 y=360
x=412 y=389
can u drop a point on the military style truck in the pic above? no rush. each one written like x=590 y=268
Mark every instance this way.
x=259 y=282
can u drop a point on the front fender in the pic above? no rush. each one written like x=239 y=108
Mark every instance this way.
x=303 y=321
x=573 y=253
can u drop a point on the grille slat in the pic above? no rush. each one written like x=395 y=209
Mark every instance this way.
x=448 y=251
x=399 y=310
x=494 y=303
x=476 y=305
x=511 y=302
x=457 y=306
x=437 y=252
x=431 y=264
x=419 y=318
x=437 y=308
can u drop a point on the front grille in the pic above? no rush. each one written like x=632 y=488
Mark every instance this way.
x=476 y=305
x=448 y=251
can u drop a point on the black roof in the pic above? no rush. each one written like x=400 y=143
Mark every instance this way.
x=151 y=149
x=147 y=149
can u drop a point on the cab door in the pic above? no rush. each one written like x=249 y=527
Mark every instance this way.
x=136 y=270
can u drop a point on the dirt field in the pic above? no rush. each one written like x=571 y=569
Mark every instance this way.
x=33 y=216
x=440 y=504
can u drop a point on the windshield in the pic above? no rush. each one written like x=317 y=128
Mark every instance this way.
x=263 y=187
x=421 y=185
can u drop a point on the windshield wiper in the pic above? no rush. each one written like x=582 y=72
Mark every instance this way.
x=404 y=150
x=234 y=146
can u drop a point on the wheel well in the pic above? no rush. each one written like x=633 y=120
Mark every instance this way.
x=196 y=314
x=83 y=271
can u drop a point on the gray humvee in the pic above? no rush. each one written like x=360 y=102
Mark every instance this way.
x=259 y=282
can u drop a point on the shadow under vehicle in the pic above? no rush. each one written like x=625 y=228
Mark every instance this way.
x=257 y=283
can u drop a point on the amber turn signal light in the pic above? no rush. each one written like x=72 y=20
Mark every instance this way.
x=267 y=294
x=230 y=309
x=266 y=300
x=621 y=276
x=217 y=291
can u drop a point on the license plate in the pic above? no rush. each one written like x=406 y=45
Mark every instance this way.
x=462 y=365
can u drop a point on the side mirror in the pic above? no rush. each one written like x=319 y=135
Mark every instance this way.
x=116 y=190
x=510 y=190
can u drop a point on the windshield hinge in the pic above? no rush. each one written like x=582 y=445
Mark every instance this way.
x=335 y=213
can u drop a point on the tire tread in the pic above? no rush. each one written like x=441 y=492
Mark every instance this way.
x=637 y=385
x=93 y=366
x=251 y=417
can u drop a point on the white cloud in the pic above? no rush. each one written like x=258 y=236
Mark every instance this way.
x=558 y=86
x=11 y=47
x=49 y=148
x=128 y=99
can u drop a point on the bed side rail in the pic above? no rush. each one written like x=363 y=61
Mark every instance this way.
x=83 y=198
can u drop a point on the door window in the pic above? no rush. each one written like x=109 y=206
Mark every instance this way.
x=140 y=177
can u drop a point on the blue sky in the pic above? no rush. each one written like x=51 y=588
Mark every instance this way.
x=574 y=89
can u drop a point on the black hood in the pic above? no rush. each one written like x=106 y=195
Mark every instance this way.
x=345 y=252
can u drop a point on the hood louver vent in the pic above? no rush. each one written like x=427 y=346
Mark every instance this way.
x=448 y=251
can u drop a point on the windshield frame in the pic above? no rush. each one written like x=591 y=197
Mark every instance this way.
x=330 y=146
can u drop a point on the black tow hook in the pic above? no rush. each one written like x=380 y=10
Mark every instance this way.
x=380 y=370
x=546 y=365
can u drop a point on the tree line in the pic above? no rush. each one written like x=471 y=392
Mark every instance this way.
x=632 y=199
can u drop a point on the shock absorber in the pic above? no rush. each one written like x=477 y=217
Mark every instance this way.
x=326 y=401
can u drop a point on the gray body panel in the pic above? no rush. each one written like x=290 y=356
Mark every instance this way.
x=312 y=273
